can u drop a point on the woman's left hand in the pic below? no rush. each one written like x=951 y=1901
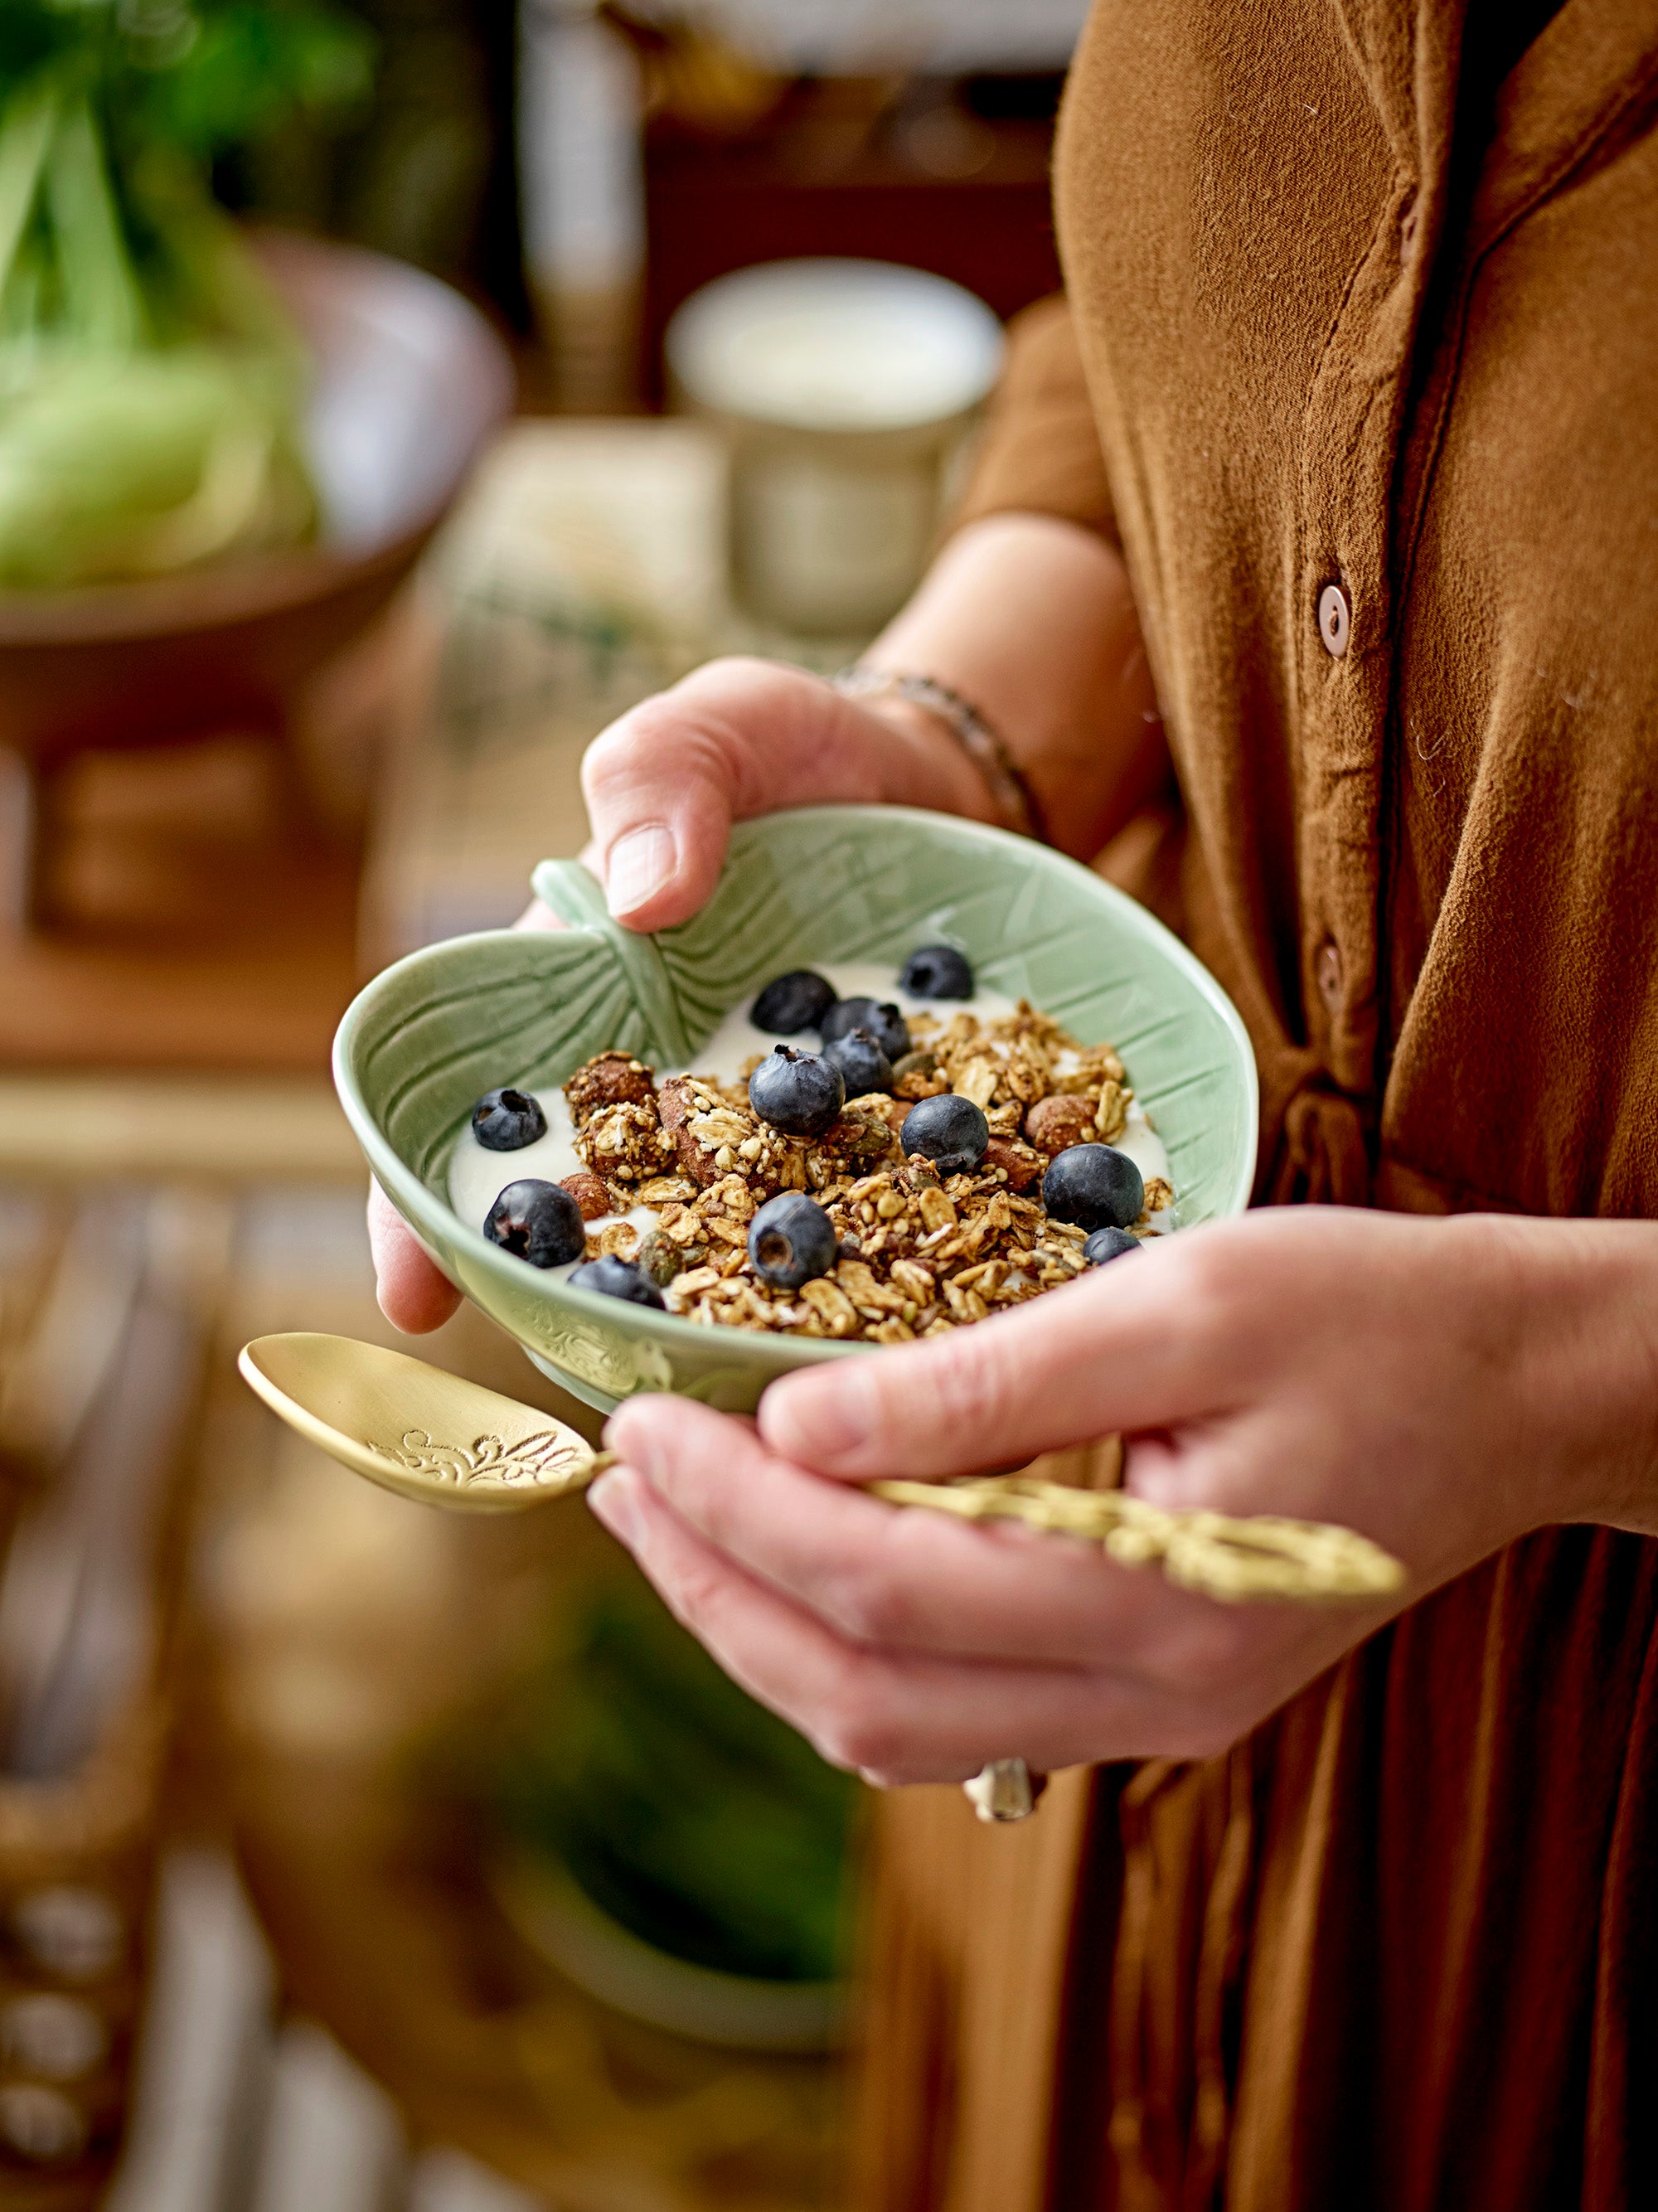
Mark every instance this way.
x=1442 y=1386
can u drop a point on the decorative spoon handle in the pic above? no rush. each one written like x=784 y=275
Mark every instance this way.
x=1263 y=1557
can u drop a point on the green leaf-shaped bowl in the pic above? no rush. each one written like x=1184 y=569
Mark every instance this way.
x=419 y=1045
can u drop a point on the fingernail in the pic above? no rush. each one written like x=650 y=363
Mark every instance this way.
x=637 y=865
x=610 y=1500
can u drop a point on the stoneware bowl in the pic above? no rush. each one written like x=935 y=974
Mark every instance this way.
x=825 y=884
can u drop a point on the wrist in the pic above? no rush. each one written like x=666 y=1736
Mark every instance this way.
x=1618 y=1483
x=1014 y=803
x=1579 y=1301
x=924 y=765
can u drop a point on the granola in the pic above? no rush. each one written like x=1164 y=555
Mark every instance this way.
x=609 y=1079
x=624 y=1144
x=918 y=1254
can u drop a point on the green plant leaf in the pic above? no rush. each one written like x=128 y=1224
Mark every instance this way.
x=103 y=305
x=25 y=128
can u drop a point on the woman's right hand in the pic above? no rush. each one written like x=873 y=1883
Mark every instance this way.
x=741 y=738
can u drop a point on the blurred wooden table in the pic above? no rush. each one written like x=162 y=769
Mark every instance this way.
x=205 y=897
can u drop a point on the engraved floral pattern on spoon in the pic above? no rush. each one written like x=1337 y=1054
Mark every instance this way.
x=546 y=1459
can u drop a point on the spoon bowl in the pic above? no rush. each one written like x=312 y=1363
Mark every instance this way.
x=413 y=1429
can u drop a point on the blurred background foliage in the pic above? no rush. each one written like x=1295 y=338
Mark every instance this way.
x=426 y=170
x=151 y=387
x=688 y=1813
x=196 y=75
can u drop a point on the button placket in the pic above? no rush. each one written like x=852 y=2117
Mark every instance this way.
x=1354 y=417
x=1352 y=428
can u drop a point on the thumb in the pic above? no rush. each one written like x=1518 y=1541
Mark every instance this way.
x=1103 y=1354
x=736 y=739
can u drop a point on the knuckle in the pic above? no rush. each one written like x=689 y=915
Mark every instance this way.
x=642 y=734
x=610 y=749
x=694 y=1593
x=1200 y=1669
x=870 y=1605
x=1208 y=1689
x=1189 y=1686
x=1209 y=1266
x=679 y=748
x=974 y=1386
x=731 y=671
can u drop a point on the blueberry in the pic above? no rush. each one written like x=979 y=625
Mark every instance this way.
x=794 y=1002
x=864 y=1066
x=799 y=1092
x=507 y=1120
x=884 y=1024
x=950 y=1131
x=1108 y=1243
x=540 y=1222
x=936 y=971
x=790 y=1240
x=616 y=1279
x=1094 y=1186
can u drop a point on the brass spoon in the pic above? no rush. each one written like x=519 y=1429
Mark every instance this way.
x=445 y=1441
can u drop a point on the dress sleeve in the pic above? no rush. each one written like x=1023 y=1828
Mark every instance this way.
x=1041 y=449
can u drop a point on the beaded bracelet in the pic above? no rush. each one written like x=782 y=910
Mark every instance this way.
x=1009 y=787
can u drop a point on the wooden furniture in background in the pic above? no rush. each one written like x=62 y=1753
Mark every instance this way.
x=205 y=895
x=952 y=178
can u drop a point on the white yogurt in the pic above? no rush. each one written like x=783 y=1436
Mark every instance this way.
x=477 y=1175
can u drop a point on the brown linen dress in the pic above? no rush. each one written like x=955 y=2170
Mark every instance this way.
x=1400 y=1947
